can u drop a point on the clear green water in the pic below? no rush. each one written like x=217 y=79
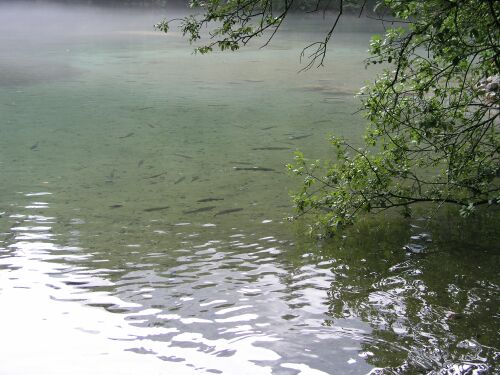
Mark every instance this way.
x=132 y=239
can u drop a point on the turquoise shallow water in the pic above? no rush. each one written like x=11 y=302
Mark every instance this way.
x=136 y=236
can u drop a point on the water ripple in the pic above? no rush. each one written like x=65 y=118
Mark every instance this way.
x=201 y=305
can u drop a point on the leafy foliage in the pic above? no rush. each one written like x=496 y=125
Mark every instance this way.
x=433 y=133
x=236 y=22
x=433 y=112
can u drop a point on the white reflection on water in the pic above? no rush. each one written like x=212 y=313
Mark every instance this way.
x=66 y=335
x=52 y=320
x=61 y=333
x=303 y=369
x=41 y=333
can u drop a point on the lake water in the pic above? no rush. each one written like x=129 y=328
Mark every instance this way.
x=135 y=236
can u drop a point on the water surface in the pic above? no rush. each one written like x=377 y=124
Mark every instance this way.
x=142 y=207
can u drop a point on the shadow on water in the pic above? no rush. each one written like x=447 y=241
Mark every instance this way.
x=428 y=289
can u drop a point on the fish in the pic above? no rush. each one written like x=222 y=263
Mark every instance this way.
x=179 y=180
x=241 y=162
x=116 y=206
x=300 y=136
x=75 y=283
x=334 y=98
x=156 y=175
x=209 y=199
x=269 y=127
x=339 y=93
x=183 y=156
x=202 y=209
x=270 y=148
x=156 y=209
x=228 y=211
x=143 y=108
x=195 y=178
x=128 y=135
x=141 y=162
x=151 y=125
x=261 y=169
x=35 y=146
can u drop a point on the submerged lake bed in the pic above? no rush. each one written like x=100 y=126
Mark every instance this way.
x=143 y=203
